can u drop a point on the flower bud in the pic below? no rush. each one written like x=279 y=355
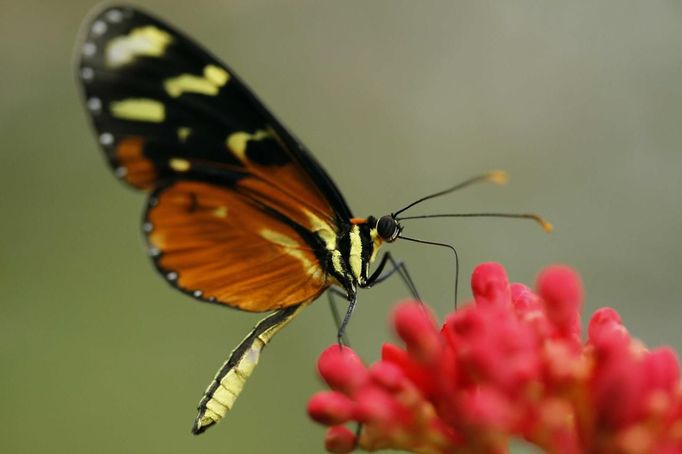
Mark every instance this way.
x=490 y=285
x=330 y=408
x=415 y=326
x=560 y=288
x=339 y=440
x=342 y=369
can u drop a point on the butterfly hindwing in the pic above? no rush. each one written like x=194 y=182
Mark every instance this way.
x=208 y=241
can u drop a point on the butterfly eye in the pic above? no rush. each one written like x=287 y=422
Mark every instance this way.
x=387 y=228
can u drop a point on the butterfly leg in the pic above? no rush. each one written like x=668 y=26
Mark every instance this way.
x=331 y=294
x=380 y=275
x=341 y=333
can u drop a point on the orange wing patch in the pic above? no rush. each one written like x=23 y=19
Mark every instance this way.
x=217 y=245
x=133 y=166
x=284 y=185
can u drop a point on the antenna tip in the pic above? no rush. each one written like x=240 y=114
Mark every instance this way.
x=498 y=177
x=545 y=224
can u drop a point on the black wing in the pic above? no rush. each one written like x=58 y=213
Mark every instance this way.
x=166 y=109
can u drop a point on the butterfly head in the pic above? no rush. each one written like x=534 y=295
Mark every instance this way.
x=388 y=228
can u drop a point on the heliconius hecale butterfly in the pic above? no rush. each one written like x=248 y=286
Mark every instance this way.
x=239 y=213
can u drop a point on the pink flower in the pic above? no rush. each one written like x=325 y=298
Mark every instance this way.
x=512 y=365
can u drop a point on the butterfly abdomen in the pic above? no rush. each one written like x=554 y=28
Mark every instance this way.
x=223 y=391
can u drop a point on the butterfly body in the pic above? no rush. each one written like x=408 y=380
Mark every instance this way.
x=238 y=213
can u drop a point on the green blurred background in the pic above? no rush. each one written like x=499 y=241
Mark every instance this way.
x=580 y=101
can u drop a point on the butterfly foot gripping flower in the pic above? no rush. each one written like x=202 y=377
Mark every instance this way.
x=511 y=365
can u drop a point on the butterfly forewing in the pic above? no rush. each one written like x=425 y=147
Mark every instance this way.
x=239 y=213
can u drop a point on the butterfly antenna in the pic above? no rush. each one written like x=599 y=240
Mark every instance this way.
x=545 y=224
x=445 y=245
x=495 y=176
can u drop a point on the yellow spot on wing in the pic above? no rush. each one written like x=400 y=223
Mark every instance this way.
x=179 y=165
x=183 y=133
x=140 y=109
x=279 y=238
x=322 y=229
x=220 y=212
x=292 y=248
x=147 y=41
x=209 y=84
x=189 y=83
x=217 y=75
x=237 y=141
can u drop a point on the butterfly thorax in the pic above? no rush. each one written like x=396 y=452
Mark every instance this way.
x=357 y=245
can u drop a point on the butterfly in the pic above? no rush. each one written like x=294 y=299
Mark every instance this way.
x=238 y=213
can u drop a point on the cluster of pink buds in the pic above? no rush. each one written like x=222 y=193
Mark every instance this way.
x=512 y=365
